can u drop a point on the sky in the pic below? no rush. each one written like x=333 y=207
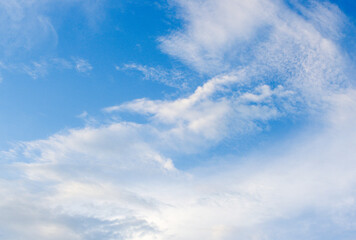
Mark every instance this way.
x=177 y=119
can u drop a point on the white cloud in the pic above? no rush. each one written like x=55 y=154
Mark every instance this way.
x=23 y=26
x=273 y=41
x=41 y=68
x=26 y=25
x=110 y=177
x=172 y=78
x=213 y=28
x=120 y=180
x=212 y=113
x=82 y=65
x=36 y=69
x=325 y=17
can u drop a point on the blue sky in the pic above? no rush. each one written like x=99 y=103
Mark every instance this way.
x=178 y=119
x=42 y=69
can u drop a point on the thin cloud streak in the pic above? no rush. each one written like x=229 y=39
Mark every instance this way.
x=172 y=78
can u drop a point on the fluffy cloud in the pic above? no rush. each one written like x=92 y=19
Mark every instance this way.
x=212 y=113
x=212 y=28
x=109 y=182
x=272 y=40
x=121 y=180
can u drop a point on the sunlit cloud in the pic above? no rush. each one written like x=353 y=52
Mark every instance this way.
x=265 y=62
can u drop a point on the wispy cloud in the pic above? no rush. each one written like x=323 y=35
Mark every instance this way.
x=221 y=35
x=122 y=180
x=36 y=69
x=61 y=63
x=213 y=112
x=41 y=68
x=172 y=78
x=82 y=65
x=23 y=25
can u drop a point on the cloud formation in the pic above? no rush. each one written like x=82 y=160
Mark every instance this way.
x=172 y=78
x=24 y=26
x=82 y=65
x=120 y=180
x=115 y=183
x=213 y=112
